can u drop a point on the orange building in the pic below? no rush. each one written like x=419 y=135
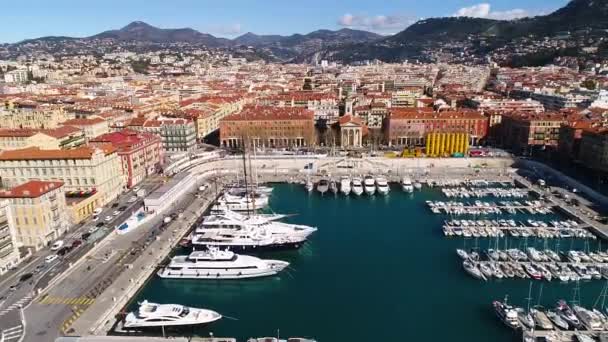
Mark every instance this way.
x=265 y=126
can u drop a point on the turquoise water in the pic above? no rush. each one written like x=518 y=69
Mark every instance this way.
x=378 y=269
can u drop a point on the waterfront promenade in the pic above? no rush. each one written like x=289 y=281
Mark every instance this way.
x=99 y=317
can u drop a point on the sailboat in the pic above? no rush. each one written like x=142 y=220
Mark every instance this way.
x=525 y=318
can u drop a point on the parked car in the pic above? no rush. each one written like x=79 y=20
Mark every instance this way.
x=108 y=218
x=85 y=236
x=93 y=229
x=63 y=251
x=97 y=211
x=25 y=277
x=95 y=218
x=132 y=199
x=57 y=245
x=116 y=213
x=123 y=208
x=50 y=258
x=115 y=204
x=76 y=243
x=100 y=224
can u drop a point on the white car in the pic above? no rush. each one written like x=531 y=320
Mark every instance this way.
x=57 y=245
x=132 y=199
x=97 y=211
x=50 y=258
x=116 y=213
x=95 y=217
x=108 y=218
x=136 y=189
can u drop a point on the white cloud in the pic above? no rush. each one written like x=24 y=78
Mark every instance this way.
x=484 y=10
x=378 y=23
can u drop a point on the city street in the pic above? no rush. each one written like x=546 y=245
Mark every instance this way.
x=16 y=293
x=53 y=312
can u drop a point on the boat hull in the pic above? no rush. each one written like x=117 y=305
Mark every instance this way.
x=252 y=248
x=216 y=275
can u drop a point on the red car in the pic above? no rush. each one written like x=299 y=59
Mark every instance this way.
x=76 y=243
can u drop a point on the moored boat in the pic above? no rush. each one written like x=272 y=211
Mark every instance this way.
x=165 y=315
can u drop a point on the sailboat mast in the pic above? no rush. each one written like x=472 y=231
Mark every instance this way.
x=245 y=172
x=253 y=192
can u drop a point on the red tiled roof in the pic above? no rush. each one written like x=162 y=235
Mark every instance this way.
x=35 y=153
x=31 y=189
x=265 y=113
x=83 y=122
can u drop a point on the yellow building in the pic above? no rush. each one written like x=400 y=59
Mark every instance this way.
x=83 y=169
x=446 y=144
x=9 y=254
x=39 y=212
x=46 y=139
x=39 y=116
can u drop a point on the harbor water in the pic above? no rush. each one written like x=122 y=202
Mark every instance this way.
x=378 y=269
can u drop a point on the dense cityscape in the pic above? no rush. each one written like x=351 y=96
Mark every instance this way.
x=148 y=175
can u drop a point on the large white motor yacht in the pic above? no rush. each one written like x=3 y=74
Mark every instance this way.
x=357 y=187
x=345 y=185
x=406 y=184
x=382 y=185
x=164 y=315
x=230 y=220
x=249 y=239
x=241 y=203
x=216 y=264
x=369 y=185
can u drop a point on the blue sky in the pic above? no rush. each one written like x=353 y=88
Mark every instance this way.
x=22 y=19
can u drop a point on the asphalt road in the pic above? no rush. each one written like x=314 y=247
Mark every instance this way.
x=47 y=317
x=16 y=293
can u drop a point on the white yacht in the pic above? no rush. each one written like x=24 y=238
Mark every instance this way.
x=249 y=239
x=216 y=264
x=417 y=185
x=241 y=203
x=164 y=315
x=345 y=185
x=406 y=184
x=230 y=220
x=357 y=187
x=323 y=186
x=369 y=185
x=382 y=185
x=275 y=339
x=241 y=190
x=309 y=186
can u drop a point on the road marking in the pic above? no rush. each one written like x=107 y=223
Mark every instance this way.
x=12 y=333
x=52 y=300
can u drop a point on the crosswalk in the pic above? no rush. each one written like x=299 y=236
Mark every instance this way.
x=13 y=333
x=20 y=303
x=49 y=300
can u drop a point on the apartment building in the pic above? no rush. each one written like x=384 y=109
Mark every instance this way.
x=57 y=138
x=16 y=76
x=9 y=254
x=84 y=169
x=593 y=151
x=91 y=128
x=141 y=153
x=266 y=126
x=34 y=117
x=39 y=211
x=410 y=126
x=522 y=131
